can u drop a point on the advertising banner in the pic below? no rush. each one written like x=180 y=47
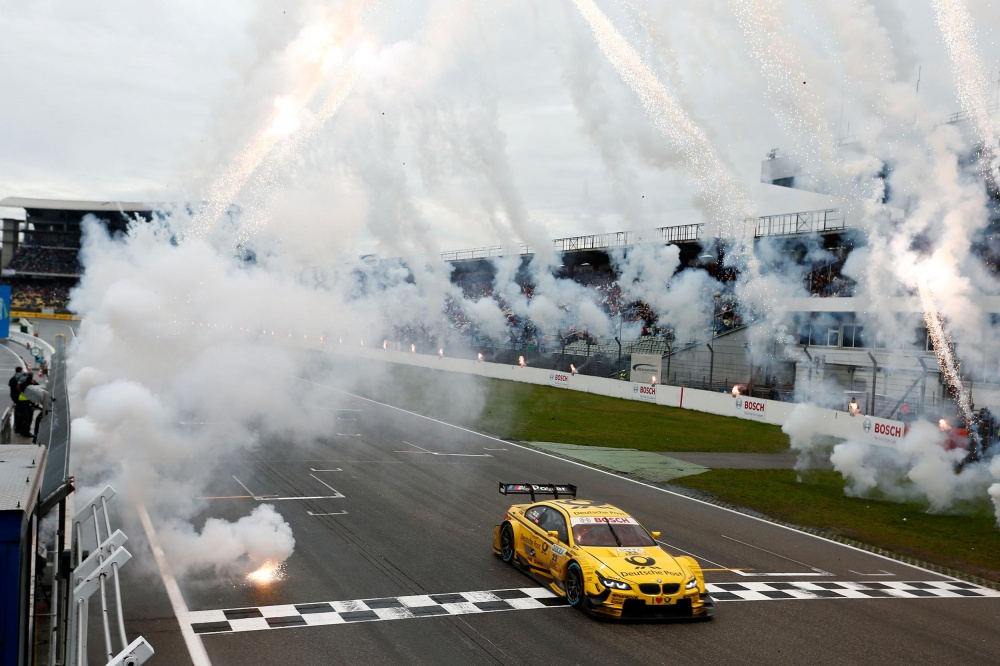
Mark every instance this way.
x=560 y=379
x=644 y=367
x=644 y=392
x=750 y=408
x=5 y=311
x=884 y=431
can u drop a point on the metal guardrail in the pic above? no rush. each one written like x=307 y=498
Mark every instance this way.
x=90 y=576
x=831 y=219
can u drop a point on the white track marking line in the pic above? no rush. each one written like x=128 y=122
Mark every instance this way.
x=640 y=483
x=195 y=647
x=818 y=572
x=275 y=498
x=249 y=492
x=880 y=573
x=419 y=447
x=335 y=513
x=435 y=453
x=335 y=469
x=334 y=490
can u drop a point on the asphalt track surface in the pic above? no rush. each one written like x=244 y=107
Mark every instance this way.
x=402 y=517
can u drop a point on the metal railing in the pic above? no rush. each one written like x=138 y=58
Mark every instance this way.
x=819 y=221
x=91 y=575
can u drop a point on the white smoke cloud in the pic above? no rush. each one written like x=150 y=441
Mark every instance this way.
x=229 y=548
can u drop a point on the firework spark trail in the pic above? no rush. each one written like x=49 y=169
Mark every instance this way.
x=943 y=348
x=275 y=165
x=315 y=47
x=726 y=198
x=971 y=80
x=786 y=80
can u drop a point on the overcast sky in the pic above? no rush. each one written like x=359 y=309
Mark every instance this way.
x=470 y=124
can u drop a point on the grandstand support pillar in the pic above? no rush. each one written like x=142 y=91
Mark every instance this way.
x=923 y=385
x=711 y=364
x=619 y=373
x=871 y=411
x=670 y=352
x=805 y=350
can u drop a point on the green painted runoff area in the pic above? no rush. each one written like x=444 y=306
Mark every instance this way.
x=642 y=465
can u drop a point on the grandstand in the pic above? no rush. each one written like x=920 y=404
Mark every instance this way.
x=828 y=344
x=39 y=256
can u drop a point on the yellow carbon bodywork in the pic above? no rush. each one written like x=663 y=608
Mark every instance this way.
x=658 y=584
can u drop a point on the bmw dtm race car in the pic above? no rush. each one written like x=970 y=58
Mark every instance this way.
x=597 y=556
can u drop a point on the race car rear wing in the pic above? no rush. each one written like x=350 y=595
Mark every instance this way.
x=556 y=490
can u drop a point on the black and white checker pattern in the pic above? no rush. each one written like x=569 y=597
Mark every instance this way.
x=846 y=590
x=429 y=605
x=370 y=610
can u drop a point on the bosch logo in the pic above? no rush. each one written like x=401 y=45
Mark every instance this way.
x=561 y=378
x=640 y=561
x=753 y=406
x=867 y=425
x=647 y=390
x=888 y=430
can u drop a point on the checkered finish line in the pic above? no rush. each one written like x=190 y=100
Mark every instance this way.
x=370 y=610
x=847 y=590
x=402 y=608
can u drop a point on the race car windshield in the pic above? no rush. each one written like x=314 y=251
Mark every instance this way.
x=601 y=534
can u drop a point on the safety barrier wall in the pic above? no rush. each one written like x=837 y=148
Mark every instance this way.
x=821 y=420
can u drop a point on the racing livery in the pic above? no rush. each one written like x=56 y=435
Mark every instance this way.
x=597 y=556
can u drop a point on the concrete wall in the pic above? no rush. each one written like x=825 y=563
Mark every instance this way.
x=820 y=420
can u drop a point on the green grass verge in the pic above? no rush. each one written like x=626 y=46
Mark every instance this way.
x=969 y=542
x=527 y=412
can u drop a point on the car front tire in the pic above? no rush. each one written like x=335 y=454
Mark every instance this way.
x=574 y=586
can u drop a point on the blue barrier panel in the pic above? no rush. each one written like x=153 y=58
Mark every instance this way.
x=5 y=311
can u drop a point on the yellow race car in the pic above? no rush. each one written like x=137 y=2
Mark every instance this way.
x=597 y=556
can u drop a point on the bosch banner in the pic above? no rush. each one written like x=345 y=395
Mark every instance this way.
x=750 y=408
x=559 y=379
x=644 y=392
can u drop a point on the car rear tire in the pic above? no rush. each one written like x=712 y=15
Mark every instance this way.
x=574 y=586
x=507 y=551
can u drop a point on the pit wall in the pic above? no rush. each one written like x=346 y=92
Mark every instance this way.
x=820 y=420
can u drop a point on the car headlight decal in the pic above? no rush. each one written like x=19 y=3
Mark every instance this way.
x=691 y=584
x=614 y=584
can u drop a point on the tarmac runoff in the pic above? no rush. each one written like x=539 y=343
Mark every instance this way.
x=663 y=467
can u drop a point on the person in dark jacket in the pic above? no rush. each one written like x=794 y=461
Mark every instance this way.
x=14 y=391
x=23 y=410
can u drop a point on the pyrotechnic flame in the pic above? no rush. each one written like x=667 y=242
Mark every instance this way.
x=942 y=424
x=572 y=368
x=269 y=572
x=480 y=357
x=520 y=361
x=385 y=344
x=441 y=351
x=413 y=349
x=286 y=117
x=654 y=380
x=736 y=390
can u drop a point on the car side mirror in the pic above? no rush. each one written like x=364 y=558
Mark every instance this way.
x=656 y=535
x=553 y=534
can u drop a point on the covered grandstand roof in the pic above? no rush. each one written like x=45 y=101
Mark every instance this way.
x=89 y=206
